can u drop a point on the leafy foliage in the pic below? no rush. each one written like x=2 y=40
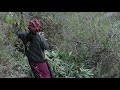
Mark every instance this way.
x=65 y=68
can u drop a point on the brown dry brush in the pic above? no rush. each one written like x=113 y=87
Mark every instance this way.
x=89 y=42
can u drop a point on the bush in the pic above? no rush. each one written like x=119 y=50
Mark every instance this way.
x=65 y=68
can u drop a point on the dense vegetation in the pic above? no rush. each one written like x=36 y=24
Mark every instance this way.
x=82 y=44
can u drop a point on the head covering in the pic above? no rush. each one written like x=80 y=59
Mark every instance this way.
x=35 y=26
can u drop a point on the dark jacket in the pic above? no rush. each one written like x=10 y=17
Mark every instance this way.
x=34 y=46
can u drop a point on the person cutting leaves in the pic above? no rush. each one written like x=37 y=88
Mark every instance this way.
x=35 y=45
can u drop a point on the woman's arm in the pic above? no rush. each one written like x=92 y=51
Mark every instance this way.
x=20 y=35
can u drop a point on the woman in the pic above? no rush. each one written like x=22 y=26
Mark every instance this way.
x=35 y=45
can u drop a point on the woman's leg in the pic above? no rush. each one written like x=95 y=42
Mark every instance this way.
x=33 y=71
x=41 y=70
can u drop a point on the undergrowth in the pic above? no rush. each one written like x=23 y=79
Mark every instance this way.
x=82 y=44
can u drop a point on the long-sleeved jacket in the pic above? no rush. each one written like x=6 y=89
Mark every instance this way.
x=34 y=46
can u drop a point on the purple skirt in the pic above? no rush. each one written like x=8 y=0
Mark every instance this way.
x=41 y=70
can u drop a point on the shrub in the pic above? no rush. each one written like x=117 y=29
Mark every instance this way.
x=65 y=68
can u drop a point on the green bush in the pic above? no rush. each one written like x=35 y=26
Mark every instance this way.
x=66 y=69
